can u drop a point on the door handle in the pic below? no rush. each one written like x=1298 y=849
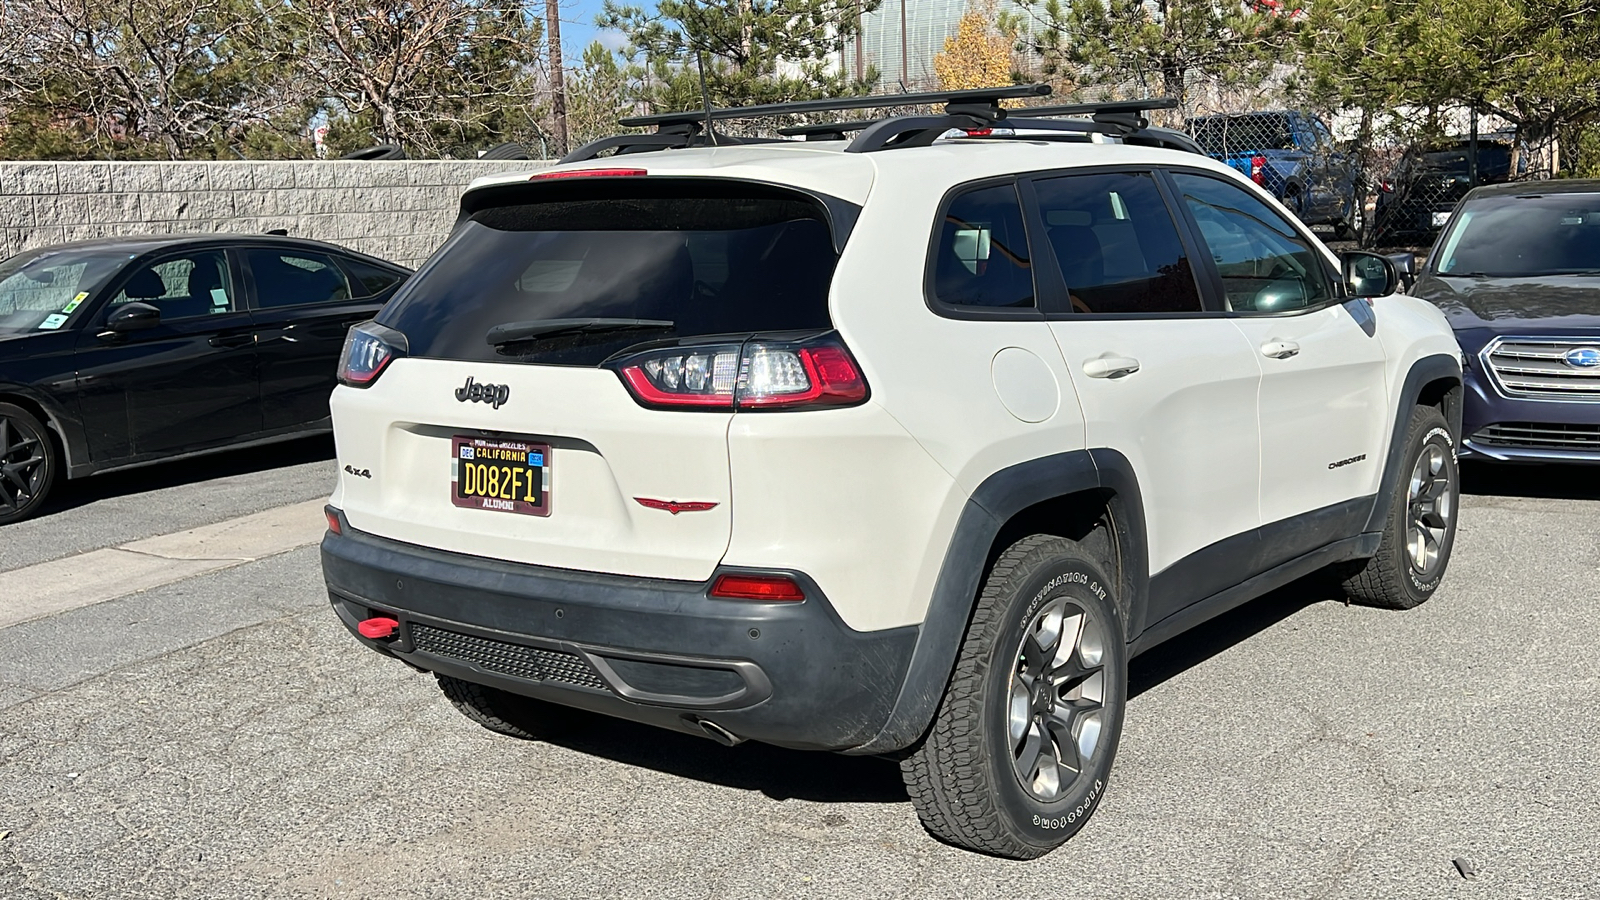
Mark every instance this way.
x=1280 y=349
x=232 y=340
x=1110 y=367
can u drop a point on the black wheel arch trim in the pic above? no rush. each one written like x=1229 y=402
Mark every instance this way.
x=1001 y=496
x=1425 y=371
x=68 y=429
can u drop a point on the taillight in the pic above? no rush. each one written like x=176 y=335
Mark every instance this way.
x=369 y=348
x=1258 y=169
x=1386 y=186
x=755 y=374
x=757 y=587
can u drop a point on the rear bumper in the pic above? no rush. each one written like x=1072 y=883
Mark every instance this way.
x=652 y=651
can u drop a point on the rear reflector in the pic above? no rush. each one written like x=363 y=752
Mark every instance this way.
x=333 y=521
x=588 y=173
x=378 y=628
x=756 y=587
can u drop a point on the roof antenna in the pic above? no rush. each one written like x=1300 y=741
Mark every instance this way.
x=705 y=95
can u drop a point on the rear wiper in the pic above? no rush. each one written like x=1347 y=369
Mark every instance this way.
x=511 y=332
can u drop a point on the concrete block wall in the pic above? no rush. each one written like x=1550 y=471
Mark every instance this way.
x=398 y=210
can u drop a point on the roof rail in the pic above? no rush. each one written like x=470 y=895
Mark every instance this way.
x=972 y=110
x=984 y=96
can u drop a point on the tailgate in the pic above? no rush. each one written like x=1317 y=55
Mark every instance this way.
x=399 y=461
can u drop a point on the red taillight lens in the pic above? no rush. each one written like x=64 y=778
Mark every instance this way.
x=1258 y=169
x=757 y=374
x=333 y=521
x=369 y=348
x=757 y=587
x=588 y=173
x=1386 y=186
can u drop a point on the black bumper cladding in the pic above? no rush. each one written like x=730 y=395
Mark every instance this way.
x=649 y=650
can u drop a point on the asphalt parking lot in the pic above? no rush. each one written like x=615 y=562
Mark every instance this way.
x=220 y=736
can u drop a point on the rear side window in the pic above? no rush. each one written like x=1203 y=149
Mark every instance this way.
x=292 y=278
x=1116 y=244
x=370 y=280
x=675 y=264
x=981 y=259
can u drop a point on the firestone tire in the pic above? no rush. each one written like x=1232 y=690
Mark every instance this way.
x=504 y=712
x=1421 y=528
x=29 y=464
x=1020 y=751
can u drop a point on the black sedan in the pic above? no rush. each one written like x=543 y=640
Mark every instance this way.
x=119 y=352
x=1517 y=271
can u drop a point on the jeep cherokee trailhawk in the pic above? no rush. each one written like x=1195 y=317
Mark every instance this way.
x=900 y=439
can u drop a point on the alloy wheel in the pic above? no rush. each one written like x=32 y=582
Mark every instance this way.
x=1429 y=509
x=23 y=461
x=1056 y=712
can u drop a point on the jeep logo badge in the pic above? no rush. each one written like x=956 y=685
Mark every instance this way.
x=492 y=394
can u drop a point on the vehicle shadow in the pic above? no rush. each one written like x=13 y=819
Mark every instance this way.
x=83 y=491
x=774 y=771
x=1549 y=481
x=831 y=778
x=1167 y=660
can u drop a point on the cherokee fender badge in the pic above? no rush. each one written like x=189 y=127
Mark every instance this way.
x=675 y=506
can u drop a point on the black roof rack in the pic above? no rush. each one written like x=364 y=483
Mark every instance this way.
x=971 y=110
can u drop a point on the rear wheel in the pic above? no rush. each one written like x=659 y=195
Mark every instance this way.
x=27 y=463
x=1421 y=528
x=1021 y=748
x=504 y=712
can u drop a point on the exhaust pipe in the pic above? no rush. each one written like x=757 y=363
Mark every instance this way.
x=717 y=733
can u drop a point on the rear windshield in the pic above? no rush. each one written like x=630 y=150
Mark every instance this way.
x=646 y=268
x=1521 y=236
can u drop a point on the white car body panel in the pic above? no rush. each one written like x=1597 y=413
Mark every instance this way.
x=605 y=451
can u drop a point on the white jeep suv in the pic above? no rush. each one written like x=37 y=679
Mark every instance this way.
x=901 y=444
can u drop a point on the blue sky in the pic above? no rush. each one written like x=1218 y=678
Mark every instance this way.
x=577 y=27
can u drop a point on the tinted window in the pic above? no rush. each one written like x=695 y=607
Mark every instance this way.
x=371 y=280
x=182 y=287
x=708 y=265
x=1116 y=244
x=981 y=258
x=1554 y=234
x=44 y=289
x=294 y=278
x=1266 y=266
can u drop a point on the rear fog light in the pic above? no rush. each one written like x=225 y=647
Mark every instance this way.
x=757 y=587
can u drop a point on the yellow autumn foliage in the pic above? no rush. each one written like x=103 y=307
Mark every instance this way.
x=976 y=55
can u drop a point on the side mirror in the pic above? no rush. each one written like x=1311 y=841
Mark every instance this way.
x=133 y=317
x=1368 y=274
x=1406 y=265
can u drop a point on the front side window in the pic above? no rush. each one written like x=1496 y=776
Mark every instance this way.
x=981 y=259
x=1116 y=245
x=182 y=287
x=1265 y=265
x=293 y=278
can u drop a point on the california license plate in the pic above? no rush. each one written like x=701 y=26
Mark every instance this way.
x=504 y=475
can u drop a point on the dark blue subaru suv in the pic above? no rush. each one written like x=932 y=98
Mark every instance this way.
x=1517 y=270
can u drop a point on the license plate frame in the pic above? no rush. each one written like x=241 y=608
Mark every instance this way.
x=472 y=458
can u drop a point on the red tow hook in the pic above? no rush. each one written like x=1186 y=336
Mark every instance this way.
x=378 y=628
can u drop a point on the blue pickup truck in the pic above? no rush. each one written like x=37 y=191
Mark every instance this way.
x=1292 y=155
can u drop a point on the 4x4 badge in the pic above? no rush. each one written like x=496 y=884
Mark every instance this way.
x=492 y=394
